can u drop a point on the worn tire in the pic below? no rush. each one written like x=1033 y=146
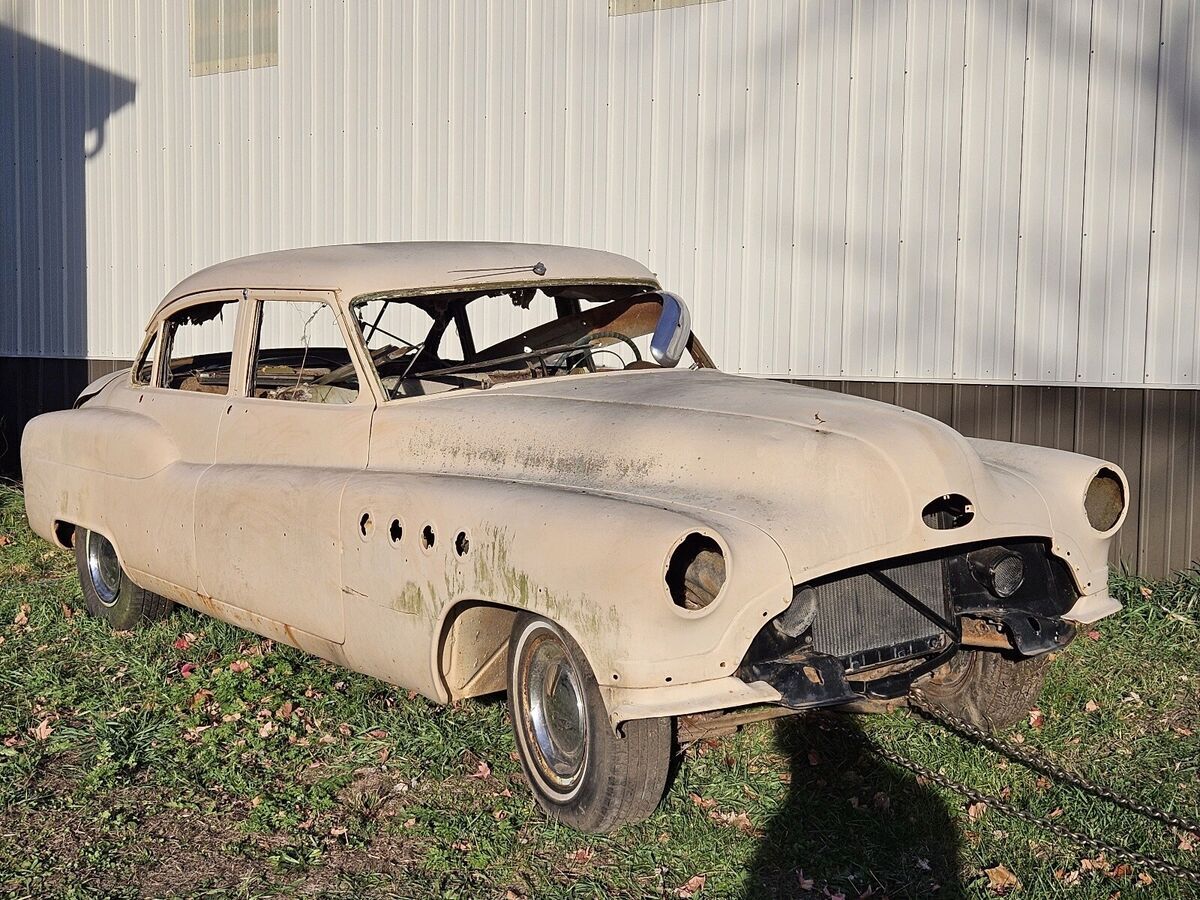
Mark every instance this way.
x=622 y=777
x=989 y=689
x=119 y=602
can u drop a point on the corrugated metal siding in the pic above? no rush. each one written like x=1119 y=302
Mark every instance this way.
x=1153 y=435
x=989 y=192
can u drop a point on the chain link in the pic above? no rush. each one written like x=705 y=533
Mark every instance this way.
x=1027 y=757
x=1039 y=763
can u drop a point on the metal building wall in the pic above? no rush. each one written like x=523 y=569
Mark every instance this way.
x=957 y=191
x=970 y=191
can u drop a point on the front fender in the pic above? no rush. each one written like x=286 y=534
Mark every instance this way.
x=1061 y=479
x=594 y=563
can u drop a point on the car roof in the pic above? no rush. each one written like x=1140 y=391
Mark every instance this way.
x=414 y=267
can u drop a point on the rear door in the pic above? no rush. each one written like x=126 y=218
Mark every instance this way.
x=268 y=516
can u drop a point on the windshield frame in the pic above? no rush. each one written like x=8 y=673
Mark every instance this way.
x=567 y=294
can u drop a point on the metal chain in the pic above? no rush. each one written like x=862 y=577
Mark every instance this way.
x=1039 y=763
x=1023 y=755
x=1111 y=851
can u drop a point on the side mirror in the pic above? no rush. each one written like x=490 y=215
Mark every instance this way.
x=672 y=331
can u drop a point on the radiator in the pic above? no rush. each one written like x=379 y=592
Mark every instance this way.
x=857 y=616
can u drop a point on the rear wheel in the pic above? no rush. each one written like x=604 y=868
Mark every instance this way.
x=987 y=688
x=581 y=772
x=107 y=590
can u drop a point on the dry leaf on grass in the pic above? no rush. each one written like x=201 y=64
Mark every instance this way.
x=42 y=730
x=702 y=802
x=740 y=821
x=22 y=616
x=582 y=855
x=1091 y=706
x=239 y=665
x=1001 y=879
x=482 y=771
x=975 y=810
x=691 y=887
x=1036 y=718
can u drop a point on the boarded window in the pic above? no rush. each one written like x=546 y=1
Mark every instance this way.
x=233 y=35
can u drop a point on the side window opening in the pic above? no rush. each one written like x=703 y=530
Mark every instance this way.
x=198 y=342
x=143 y=371
x=300 y=355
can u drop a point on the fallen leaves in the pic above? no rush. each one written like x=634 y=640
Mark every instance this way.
x=702 y=802
x=975 y=810
x=740 y=821
x=1001 y=879
x=691 y=887
x=239 y=665
x=1091 y=707
x=1037 y=718
x=41 y=731
x=5 y=540
x=482 y=771
x=21 y=619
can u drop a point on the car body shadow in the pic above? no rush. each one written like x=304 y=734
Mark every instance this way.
x=852 y=823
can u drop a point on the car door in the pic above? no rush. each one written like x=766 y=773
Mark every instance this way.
x=181 y=383
x=268 y=510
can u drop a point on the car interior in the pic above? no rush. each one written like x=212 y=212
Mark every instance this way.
x=422 y=345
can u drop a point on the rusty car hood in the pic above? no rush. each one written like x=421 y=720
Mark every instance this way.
x=791 y=460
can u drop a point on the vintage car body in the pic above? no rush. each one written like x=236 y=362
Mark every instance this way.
x=403 y=537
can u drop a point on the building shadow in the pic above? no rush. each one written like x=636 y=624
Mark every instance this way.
x=54 y=108
x=852 y=823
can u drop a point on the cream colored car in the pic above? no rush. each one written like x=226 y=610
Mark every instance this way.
x=317 y=445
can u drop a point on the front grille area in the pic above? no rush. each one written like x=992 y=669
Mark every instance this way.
x=857 y=616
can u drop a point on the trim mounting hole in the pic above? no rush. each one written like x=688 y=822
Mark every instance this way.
x=428 y=538
x=366 y=527
x=396 y=531
x=462 y=543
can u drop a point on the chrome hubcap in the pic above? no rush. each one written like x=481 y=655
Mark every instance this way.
x=104 y=568
x=556 y=722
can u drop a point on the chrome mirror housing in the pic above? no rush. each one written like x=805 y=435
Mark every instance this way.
x=672 y=331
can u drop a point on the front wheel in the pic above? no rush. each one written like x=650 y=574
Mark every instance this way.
x=107 y=590
x=581 y=772
x=987 y=688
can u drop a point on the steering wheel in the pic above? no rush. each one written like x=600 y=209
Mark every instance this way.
x=587 y=354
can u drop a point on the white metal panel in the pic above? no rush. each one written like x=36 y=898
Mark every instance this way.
x=834 y=193
x=1054 y=140
x=929 y=215
x=989 y=191
x=818 y=203
x=1117 y=190
x=869 y=327
x=1173 y=339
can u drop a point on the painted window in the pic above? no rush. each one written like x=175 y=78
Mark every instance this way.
x=234 y=35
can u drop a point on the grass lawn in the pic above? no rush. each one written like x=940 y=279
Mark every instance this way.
x=195 y=759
